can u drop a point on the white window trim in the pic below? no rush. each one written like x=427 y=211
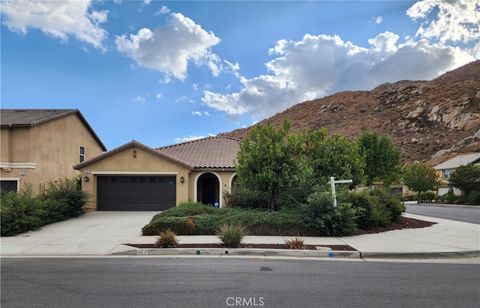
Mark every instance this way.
x=8 y=165
x=84 y=153
x=12 y=179
x=220 y=190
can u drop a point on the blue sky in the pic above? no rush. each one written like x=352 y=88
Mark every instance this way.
x=200 y=68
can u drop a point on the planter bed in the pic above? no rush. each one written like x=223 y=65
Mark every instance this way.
x=255 y=246
x=405 y=223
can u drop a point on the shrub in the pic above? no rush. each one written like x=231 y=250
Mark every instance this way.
x=326 y=219
x=369 y=211
x=393 y=206
x=474 y=198
x=295 y=243
x=245 y=198
x=427 y=196
x=163 y=223
x=190 y=225
x=450 y=197
x=231 y=235
x=167 y=239
x=22 y=211
x=19 y=212
x=207 y=223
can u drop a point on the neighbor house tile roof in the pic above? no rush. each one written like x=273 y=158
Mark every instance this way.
x=211 y=152
x=32 y=117
x=458 y=161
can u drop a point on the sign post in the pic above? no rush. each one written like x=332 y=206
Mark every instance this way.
x=332 y=185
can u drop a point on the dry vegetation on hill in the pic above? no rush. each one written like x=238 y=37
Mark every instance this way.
x=429 y=120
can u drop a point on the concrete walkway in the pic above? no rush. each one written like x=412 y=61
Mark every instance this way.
x=444 y=236
x=95 y=233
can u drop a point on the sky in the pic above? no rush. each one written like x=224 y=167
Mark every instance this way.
x=163 y=72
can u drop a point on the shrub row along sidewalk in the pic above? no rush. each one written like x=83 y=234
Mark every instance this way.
x=316 y=218
x=22 y=211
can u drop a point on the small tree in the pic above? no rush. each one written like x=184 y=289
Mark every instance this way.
x=382 y=158
x=466 y=178
x=420 y=178
x=333 y=156
x=269 y=160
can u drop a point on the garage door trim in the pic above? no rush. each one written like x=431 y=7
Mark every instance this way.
x=127 y=173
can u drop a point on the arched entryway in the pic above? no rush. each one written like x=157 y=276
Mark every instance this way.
x=207 y=189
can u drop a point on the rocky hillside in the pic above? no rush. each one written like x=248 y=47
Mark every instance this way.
x=429 y=120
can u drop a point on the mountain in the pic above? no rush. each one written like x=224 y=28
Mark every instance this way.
x=429 y=120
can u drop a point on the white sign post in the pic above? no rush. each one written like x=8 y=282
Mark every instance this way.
x=332 y=185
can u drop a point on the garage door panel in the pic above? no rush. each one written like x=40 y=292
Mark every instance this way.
x=136 y=193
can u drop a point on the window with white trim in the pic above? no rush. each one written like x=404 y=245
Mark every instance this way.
x=82 y=154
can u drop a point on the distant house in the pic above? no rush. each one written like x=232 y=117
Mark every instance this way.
x=38 y=145
x=445 y=169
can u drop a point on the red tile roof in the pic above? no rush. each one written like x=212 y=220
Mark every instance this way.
x=211 y=152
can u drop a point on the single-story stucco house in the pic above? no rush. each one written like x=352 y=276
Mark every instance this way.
x=135 y=177
x=445 y=169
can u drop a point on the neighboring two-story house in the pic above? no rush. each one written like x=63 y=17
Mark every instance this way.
x=39 y=145
x=445 y=169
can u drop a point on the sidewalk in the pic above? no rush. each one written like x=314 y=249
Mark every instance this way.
x=443 y=238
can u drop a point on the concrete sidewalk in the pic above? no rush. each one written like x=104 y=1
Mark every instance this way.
x=446 y=236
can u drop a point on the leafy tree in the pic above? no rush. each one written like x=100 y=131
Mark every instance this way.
x=466 y=178
x=382 y=158
x=270 y=161
x=419 y=178
x=333 y=156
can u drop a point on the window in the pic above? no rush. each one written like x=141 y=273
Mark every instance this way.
x=446 y=173
x=82 y=154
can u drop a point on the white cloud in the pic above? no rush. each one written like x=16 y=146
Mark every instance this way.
x=378 y=20
x=195 y=86
x=147 y=2
x=170 y=48
x=191 y=138
x=200 y=113
x=319 y=65
x=163 y=10
x=159 y=96
x=139 y=99
x=456 y=21
x=59 y=19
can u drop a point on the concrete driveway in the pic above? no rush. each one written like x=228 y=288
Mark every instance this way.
x=95 y=233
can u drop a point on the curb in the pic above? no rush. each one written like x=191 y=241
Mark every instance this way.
x=420 y=255
x=240 y=252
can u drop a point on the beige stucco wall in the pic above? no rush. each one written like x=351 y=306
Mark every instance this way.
x=225 y=183
x=53 y=146
x=125 y=163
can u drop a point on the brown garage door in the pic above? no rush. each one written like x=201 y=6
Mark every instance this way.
x=136 y=193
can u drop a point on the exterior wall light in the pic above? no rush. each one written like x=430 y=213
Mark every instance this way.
x=182 y=179
x=86 y=179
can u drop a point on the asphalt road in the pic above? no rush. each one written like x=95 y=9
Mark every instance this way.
x=217 y=282
x=465 y=214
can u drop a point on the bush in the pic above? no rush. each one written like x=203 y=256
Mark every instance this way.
x=326 y=219
x=19 y=212
x=190 y=225
x=474 y=198
x=167 y=239
x=244 y=198
x=296 y=243
x=369 y=211
x=427 y=196
x=393 y=206
x=22 y=212
x=450 y=197
x=231 y=235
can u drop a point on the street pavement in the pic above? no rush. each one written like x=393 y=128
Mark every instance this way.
x=227 y=282
x=469 y=214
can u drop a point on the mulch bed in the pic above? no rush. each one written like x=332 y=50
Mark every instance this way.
x=257 y=246
x=405 y=223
